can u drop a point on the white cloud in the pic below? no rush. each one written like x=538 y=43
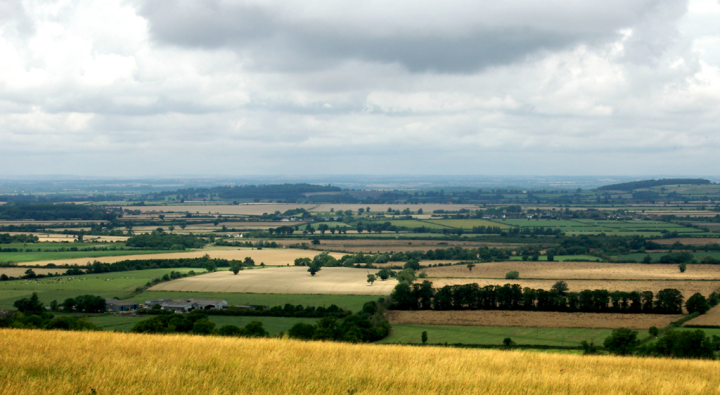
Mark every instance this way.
x=150 y=88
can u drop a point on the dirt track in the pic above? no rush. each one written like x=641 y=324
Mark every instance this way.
x=530 y=319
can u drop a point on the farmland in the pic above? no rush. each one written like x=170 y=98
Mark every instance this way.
x=267 y=256
x=531 y=319
x=578 y=271
x=115 y=363
x=486 y=335
x=292 y=280
x=609 y=227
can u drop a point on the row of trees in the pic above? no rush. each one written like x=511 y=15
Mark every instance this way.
x=6 y=238
x=423 y=296
x=163 y=241
x=196 y=323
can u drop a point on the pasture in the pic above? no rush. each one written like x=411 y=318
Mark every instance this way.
x=530 y=319
x=290 y=280
x=609 y=227
x=56 y=362
x=273 y=257
x=108 y=285
x=485 y=335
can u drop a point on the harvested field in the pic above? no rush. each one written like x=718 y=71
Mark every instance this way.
x=20 y=271
x=531 y=319
x=688 y=288
x=269 y=256
x=690 y=241
x=578 y=271
x=241 y=209
x=712 y=317
x=284 y=280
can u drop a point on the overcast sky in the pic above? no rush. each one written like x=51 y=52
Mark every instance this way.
x=211 y=87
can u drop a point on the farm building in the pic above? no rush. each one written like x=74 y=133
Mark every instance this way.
x=185 y=305
x=119 y=305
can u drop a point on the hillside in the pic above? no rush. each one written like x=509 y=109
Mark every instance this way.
x=56 y=362
x=630 y=186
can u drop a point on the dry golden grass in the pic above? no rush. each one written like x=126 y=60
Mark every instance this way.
x=37 y=362
x=579 y=270
x=688 y=288
x=531 y=319
x=283 y=280
x=268 y=256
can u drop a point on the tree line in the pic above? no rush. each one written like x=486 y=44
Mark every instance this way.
x=164 y=241
x=423 y=296
x=54 y=212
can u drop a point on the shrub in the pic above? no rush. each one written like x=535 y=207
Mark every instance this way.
x=697 y=303
x=622 y=341
x=512 y=275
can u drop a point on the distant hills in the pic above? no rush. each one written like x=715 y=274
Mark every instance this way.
x=630 y=186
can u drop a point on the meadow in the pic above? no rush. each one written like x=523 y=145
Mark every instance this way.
x=485 y=335
x=108 y=285
x=573 y=227
x=56 y=362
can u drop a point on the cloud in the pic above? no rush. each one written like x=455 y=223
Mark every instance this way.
x=147 y=88
x=447 y=37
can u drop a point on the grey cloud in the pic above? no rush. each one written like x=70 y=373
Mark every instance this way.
x=279 y=39
x=13 y=15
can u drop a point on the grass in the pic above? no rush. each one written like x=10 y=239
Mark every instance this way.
x=273 y=325
x=31 y=256
x=494 y=335
x=350 y=302
x=56 y=362
x=109 y=285
x=609 y=227
x=656 y=255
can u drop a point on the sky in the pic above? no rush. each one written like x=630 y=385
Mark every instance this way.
x=153 y=88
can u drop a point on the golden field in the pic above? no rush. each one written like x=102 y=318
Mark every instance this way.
x=53 y=362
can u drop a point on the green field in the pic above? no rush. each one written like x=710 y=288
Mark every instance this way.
x=34 y=255
x=465 y=223
x=350 y=302
x=273 y=325
x=108 y=285
x=494 y=335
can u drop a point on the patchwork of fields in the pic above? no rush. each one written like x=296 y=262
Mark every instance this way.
x=609 y=227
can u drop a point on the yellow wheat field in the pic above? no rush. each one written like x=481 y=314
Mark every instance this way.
x=45 y=362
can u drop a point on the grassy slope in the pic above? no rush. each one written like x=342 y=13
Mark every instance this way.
x=108 y=285
x=54 y=362
x=495 y=335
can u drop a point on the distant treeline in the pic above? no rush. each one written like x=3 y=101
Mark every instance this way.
x=274 y=192
x=54 y=212
x=164 y=241
x=630 y=186
x=6 y=238
x=287 y=310
x=424 y=296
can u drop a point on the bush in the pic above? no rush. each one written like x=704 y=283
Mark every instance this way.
x=512 y=275
x=697 y=303
x=622 y=341
x=653 y=331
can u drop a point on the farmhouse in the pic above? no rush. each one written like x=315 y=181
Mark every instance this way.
x=185 y=305
x=119 y=305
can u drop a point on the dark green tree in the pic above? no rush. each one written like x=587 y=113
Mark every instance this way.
x=622 y=341
x=697 y=303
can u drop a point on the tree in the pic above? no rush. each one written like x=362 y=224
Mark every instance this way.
x=470 y=266
x=550 y=257
x=412 y=264
x=230 y=330
x=171 y=228
x=682 y=266
x=384 y=274
x=561 y=287
x=653 y=331
x=29 y=274
x=424 y=337
x=508 y=342
x=313 y=268
x=371 y=278
x=647 y=259
x=512 y=275
x=30 y=306
x=622 y=341
x=697 y=303
x=4 y=277
x=248 y=261
x=210 y=266
x=236 y=267
x=302 y=331
x=162 y=217
x=315 y=241
x=203 y=327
